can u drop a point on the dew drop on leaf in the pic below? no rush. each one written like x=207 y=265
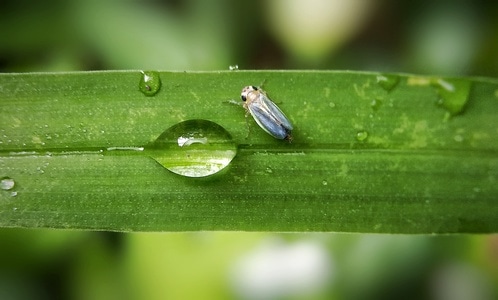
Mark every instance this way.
x=454 y=94
x=150 y=83
x=361 y=135
x=7 y=183
x=387 y=82
x=375 y=104
x=194 y=148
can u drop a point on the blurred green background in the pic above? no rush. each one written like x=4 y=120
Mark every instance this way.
x=434 y=37
x=427 y=37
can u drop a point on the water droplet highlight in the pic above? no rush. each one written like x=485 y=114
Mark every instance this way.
x=7 y=183
x=150 y=83
x=233 y=68
x=194 y=148
x=454 y=94
x=361 y=135
x=387 y=82
x=324 y=182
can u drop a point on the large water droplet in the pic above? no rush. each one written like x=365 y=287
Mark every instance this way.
x=194 y=148
x=150 y=83
x=387 y=82
x=7 y=183
x=454 y=94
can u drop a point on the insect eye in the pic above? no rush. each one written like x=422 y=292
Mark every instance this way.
x=254 y=88
x=243 y=97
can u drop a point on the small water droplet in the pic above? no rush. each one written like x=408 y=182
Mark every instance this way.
x=361 y=135
x=387 y=82
x=324 y=182
x=194 y=148
x=458 y=138
x=13 y=194
x=454 y=94
x=233 y=68
x=150 y=83
x=269 y=170
x=332 y=104
x=7 y=183
x=376 y=103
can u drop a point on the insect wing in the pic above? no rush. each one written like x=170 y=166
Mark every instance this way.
x=267 y=122
x=276 y=112
x=270 y=117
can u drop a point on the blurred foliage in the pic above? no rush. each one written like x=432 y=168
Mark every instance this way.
x=443 y=37
x=45 y=264
x=432 y=37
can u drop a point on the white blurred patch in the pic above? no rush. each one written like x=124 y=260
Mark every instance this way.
x=277 y=269
x=312 y=29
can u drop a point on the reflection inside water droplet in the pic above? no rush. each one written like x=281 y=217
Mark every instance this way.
x=194 y=148
x=187 y=141
x=150 y=83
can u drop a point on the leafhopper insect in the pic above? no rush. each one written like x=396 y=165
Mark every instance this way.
x=266 y=113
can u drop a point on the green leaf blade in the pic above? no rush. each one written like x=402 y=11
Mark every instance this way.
x=419 y=169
